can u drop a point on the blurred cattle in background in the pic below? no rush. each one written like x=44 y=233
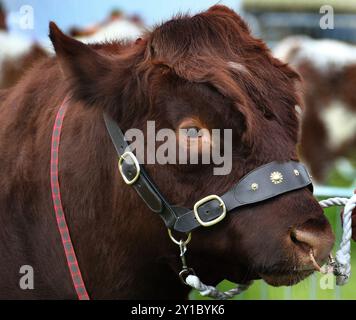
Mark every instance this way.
x=328 y=69
x=2 y=18
x=116 y=27
x=17 y=54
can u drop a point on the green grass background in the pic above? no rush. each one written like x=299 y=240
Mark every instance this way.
x=310 y=288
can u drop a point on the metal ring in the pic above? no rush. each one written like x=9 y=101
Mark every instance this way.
x=185 y=273
x=189 y=238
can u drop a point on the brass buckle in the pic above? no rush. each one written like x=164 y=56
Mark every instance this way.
x=205 y=200
x=130 y=155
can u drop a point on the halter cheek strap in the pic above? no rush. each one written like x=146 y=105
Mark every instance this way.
x=135 y=175
x=265 y=182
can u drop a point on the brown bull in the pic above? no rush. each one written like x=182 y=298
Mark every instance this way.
x=203 y=70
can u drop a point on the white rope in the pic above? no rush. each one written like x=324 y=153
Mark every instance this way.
x=212 y=292
x=343 y=255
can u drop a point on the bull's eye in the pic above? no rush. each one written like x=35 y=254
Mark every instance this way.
x=194 y=135
x=193 y=132
x=191 y=128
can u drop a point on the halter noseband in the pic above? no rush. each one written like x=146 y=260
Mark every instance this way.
x=265 y=182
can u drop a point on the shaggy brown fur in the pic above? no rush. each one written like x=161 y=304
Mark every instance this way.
x=179 y=70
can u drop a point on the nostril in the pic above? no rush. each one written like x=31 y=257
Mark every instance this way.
x=301 y=241
x=311 y=239
x=293 y=237
x=316 y=241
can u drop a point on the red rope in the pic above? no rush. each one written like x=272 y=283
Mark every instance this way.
x=71 y=257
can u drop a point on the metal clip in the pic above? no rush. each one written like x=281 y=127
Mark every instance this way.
x=335 y=267
x=186 y=271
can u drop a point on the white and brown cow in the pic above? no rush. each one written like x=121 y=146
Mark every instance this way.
x=17 y=54
x=2 y=18
x=116 y=26
x=328 y=68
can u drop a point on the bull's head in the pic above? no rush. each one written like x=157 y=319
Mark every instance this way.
x=207 y=71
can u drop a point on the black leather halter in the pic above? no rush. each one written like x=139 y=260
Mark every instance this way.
x=265 y=182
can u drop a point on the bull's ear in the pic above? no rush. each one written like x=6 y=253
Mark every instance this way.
x=83 y=66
